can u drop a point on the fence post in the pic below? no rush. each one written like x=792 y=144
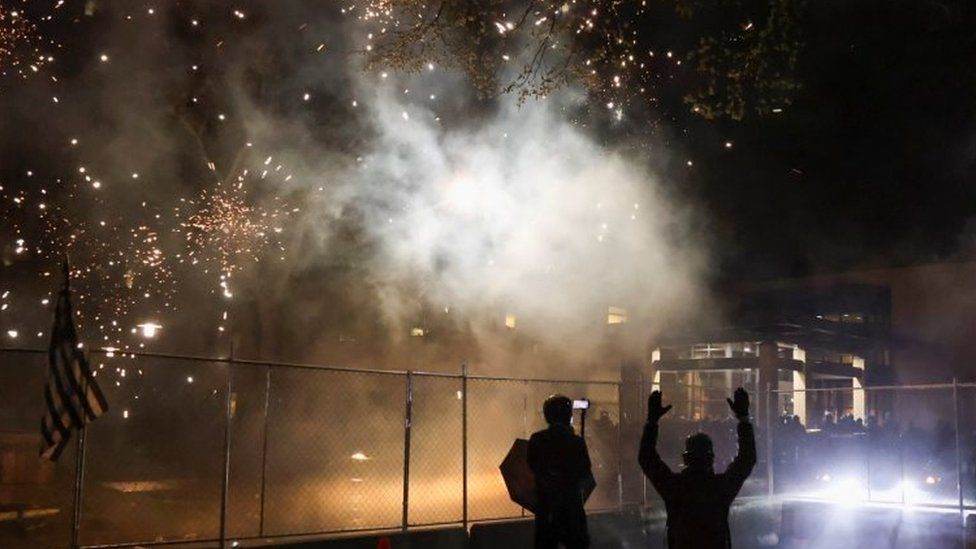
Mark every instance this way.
x=407 y=423
x=620 y=460
x=955 y=414
x=768 y=413
x=525 y=419
x=225 y=481
x=642 y=402
x=79 y=488
x=264 y=449
x=464 y=446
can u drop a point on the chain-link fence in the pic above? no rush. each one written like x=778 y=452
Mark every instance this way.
x=215 y=450
x=208 y=451
x=912 y=445
x=908 y=445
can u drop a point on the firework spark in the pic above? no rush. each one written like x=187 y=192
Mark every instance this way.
x=225 y=230
x=20 y=44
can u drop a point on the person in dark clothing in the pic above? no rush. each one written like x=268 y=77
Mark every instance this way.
x=697 y=499
x=561 y=465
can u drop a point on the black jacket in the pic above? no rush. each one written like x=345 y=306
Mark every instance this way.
x=561 y=465
x=560 y=462
x=698 y=500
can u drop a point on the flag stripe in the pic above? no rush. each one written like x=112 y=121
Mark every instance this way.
x=94 y=399
x=54 y=414
x=62 y=395
x=86 y=389
x=68 y=371
x=72 y=396
x=66 y=351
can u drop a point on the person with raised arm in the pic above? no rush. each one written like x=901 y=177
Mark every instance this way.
x=697 y=499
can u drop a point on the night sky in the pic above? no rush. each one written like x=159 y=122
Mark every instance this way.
x=872 y=165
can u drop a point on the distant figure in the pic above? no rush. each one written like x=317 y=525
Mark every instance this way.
x=697 y=499
x=561 y=464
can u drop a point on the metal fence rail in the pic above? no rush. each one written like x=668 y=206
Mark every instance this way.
x=216 y=450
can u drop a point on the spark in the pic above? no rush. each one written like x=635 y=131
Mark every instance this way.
x=226 y=229
x=20 y=44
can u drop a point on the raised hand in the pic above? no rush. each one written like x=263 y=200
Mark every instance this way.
x=739 y=403
x=654 y=408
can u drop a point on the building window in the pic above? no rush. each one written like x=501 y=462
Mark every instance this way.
x=417 y=332
x=708 y=350
x=510 y=321
x=616 y=315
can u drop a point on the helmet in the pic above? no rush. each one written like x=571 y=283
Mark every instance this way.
x=558 y=409
x=698 y=451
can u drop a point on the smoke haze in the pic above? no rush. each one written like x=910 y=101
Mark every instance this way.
x=403 y=208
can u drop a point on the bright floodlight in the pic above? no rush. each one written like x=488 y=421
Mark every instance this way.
x=149 y=329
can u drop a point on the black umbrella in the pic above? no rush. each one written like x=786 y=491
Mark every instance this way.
x=518 y=477
x=520 y=480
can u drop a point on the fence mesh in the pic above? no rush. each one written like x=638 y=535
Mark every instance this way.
x=247 y=442
x=890 y=445
x=436 y=493
x=335 y=451
x=157 y=454
x=496 y=417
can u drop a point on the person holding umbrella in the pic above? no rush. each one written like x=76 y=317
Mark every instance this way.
x=697 y=499
x=560 y=463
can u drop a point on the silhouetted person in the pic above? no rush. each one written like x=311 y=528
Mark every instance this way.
x=697 y=499
x=561 y=464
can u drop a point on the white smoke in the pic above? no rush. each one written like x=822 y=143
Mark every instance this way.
x=517 y=214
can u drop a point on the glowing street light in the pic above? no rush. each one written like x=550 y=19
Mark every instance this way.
x=149 y=329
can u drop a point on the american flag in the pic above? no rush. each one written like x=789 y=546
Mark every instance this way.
x=71 y=393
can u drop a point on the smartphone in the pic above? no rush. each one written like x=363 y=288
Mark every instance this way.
x=581 y=404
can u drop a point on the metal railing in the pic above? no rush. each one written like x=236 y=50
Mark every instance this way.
x=223 y=450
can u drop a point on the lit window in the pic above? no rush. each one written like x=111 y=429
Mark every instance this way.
x=510 y=322
x=416 y=332
x=616 y=315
